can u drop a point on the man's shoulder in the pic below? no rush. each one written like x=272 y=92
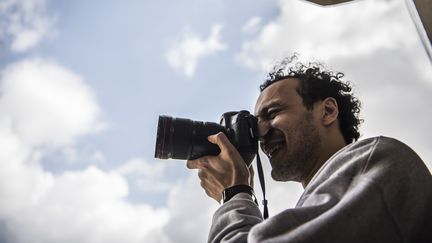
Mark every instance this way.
x=380 y=174
x=383 y=149
x=381 y=160
x=376 y=148
x=381 y=142
x=374 y=156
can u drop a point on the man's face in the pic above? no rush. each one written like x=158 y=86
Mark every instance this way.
x=289 y=134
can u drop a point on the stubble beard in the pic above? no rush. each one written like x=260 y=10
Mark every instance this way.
x=302 y=152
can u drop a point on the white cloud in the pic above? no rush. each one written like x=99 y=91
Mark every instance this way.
x=20 y=185
x=139 y=166
x=87 y=205
x=253 y=25
x=98 y=157
x=394 y=92
x=24 y=23
x=46 y=103
x=147 y=177
x=191 y=212
x=90 y=206
x=186 y=54
x=349 y=30
x=82 y=206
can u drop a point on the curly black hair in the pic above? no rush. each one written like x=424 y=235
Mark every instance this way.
x=317 y=84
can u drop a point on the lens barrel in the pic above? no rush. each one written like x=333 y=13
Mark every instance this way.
x=163 y=137
x=179 y=138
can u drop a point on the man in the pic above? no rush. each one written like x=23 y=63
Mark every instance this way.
x=373 y=190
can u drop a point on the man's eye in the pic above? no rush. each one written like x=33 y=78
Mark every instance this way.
x=272 y=113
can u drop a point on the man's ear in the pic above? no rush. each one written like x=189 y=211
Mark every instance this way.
x=330 y=111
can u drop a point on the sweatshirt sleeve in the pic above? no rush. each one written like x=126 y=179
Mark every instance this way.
x=234 y=219
x=375 y=191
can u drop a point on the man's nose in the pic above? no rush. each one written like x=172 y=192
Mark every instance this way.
x=263 y=128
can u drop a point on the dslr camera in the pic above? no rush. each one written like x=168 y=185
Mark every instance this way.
x=180 y=138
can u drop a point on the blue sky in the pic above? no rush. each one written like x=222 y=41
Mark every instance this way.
x=82 y=84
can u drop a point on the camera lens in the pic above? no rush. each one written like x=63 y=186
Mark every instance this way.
x=162 y=137
x=180 y=138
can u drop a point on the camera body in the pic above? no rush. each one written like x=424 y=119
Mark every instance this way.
x=180 y=138
x=242 y=131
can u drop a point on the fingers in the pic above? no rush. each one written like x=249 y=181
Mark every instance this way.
x=228 y=151
x=212 y=178
x=222 y=141
x=192 y=164
x=199 y=163
x=221 y=171
x=213 y=194
x=210 y=184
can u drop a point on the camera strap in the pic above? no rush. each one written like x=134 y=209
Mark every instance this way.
x=262 y=183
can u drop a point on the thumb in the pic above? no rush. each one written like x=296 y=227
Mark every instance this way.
x=221 y=140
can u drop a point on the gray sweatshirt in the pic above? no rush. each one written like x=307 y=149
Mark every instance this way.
x=374 y=190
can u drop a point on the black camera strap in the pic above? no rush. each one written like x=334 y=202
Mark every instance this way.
x=255 y=135
x=262 y=183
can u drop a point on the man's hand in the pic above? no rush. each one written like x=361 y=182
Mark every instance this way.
x=222 y=171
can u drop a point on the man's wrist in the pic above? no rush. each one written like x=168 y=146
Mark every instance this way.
x=230 y=192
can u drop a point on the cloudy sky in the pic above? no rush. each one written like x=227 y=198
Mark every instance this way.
x=82 y=84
